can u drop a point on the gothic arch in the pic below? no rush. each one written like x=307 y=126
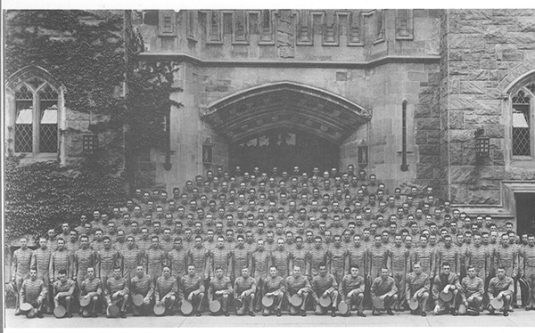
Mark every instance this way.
x=28 y=72
x=287 y=105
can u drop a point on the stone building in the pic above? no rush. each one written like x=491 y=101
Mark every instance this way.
x=404 y=94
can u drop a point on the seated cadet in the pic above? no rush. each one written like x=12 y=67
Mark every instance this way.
x=142 y=284
x=472 y=292
x=63 y=291
x=165 y=290
x=274 y=287
x=417 y=288
x=324 y=285
x=220 y=288
x=34 y=291
x=449 y=283
x=116 y=290
x=244 y=290
x=384 y=287
x=297 y=284
x=352 y=291
x=192 y=289
x=92 y=288
x=501 y=287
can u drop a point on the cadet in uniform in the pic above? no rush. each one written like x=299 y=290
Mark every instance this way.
x=20 y=268
x=63 y=292
x=527 y=265
x=417 y=287
x=142 y=284
x=501 y=287
x=298 y=284
x=92 y=288
x=323 y=285
x=33 y=291
x=451 y=281
x=472 y=292
x=220 y=288
x=41 y=262
x=165 y=290
x=385 y=288
x=274 y=287
x=192 y=289
x=352 y=291
x=117 y=291
x=244 y=289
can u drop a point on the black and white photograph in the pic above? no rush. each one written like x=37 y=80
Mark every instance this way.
x=217 y=167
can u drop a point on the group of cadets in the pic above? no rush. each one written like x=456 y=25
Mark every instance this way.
x=301 y=241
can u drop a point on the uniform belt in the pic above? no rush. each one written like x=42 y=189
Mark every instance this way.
x=530 y=262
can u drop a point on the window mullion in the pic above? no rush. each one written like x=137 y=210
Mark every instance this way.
x=36 y=122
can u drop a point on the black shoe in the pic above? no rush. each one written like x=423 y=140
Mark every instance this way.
x=390 y=312
x=361 y=314
x=251 y=313
x=333 y=313
x=528 y=308
x=279 y=313
x=227 y=314
x=506 y=313
x=198 y=314
x=123 y=315
x=18 y=312
x=303 y=313
x=423 y=314
x=95 y=315
x=69 y=315
x=39 y=314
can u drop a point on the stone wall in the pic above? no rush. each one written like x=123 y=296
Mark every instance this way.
x=480 y=50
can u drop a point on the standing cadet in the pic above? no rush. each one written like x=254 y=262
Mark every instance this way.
x=352 y=291
x=244 y=290
x=479 y=257
x=298 y=256
x=108 y=258
x=472 y=292
x=60 y=259
x=449 y=283
x=358 y=256
x=198 y=257
x=41 y=262
x=220 y=288
x=378 y=254
x=527 y=265
x=318 y=256
x=280 y=258
x=221 y=257
x=273 y=287
x=324 y=285
x=20 y=268
x=507 y=257
x=192 y=289
x=338 y=256
x=63 y=292
x=417 y=287
x=240 y=256
x=259 y=265
x=142 y=284
x=131 y=257
x=397 y=263
x=155 y=259
x=178 y=259
x=448 y=253
x=384 y=287
x=117 y=291
x=165 y=290
x=92 y=288
x=33 y=291
x=298 y=284
x=84 y=258
x=501 y=287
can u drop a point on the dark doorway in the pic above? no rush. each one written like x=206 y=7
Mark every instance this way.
x=525 y=213
x=284 y=149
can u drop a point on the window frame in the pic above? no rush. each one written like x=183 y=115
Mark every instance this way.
x=13 y=84
x=531 y=121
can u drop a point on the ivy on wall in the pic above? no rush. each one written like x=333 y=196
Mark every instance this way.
x=43 y=195
x=93 y=54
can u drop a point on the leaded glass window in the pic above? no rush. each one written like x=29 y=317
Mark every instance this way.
x=522 y=125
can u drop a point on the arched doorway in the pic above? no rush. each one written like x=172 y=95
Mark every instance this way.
x=284 y=149
x=285 y=124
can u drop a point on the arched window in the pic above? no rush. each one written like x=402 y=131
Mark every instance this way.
x=523 y=120
x=34 y=114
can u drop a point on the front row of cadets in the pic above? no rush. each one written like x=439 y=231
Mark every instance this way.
x=166 y=296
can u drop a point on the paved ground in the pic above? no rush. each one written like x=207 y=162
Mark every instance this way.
x=517 y=318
